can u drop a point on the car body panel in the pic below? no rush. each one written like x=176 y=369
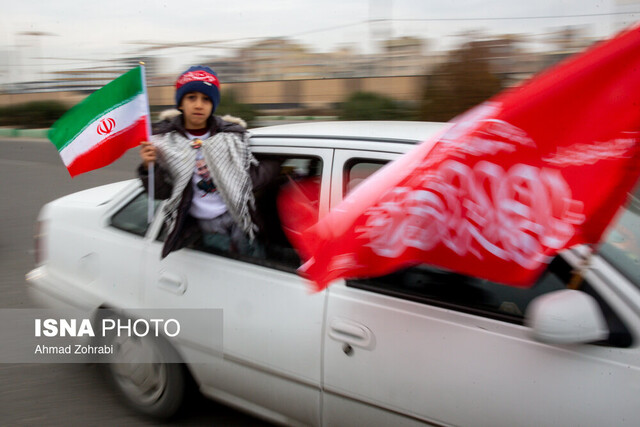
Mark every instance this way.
x=271 y=325
x=466 y=368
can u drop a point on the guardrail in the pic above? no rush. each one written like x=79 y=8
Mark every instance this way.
x=23 y=133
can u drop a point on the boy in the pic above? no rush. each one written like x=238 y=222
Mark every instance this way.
x=205 y=168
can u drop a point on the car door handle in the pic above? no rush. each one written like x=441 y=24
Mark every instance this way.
x=172 y=283
x=352 y=333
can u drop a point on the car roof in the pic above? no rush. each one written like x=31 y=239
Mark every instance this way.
x=368 y=130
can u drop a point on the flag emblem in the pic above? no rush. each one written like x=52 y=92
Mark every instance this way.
x=106 y=126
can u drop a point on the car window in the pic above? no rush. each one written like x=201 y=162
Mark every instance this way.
x=133 y=216
x=272 y=247
x=442 y=288
x=431 y=285
x=621 y=248
x=357 y=170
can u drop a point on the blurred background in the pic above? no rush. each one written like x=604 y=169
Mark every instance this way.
x=294 y=59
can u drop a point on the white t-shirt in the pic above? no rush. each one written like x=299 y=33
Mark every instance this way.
x=207 y=202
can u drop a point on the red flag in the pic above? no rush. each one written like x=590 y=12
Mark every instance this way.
x=531 y=172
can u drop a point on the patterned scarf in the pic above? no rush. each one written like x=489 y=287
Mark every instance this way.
x=228 y=158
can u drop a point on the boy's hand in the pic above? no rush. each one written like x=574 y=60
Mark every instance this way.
x=147 y=153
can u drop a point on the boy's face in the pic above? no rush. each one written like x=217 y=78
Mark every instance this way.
x=196 y=108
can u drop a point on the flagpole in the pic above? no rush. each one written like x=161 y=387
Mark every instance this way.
x=577 y=275
x=151 y=165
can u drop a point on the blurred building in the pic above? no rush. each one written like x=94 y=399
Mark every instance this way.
x=279 y=59
x=279 y=74
x=626 y=11
x=507 y=58
x=403 y=56
x=564 y=42
x=346 y=62
x=89 y=79
x=228 y=69
x=284 y=59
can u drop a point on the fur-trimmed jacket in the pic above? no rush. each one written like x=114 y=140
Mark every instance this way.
x=239 y=175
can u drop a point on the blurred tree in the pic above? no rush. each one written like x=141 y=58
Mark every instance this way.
x=37 y=114
x=371 y=106
x=229 y=105
x=463 y=81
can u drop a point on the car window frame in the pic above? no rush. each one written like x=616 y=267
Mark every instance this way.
x=560 y=266
x=561 y=270
x=616 y=257
x=125 y=202
x=326 y=157
x=343 y=156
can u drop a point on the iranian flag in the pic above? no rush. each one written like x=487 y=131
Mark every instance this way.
x=100 y=129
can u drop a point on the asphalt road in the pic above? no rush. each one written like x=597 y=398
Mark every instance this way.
x=32 y=174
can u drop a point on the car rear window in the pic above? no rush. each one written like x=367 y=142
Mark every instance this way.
x=621 y=248
x=357 y=170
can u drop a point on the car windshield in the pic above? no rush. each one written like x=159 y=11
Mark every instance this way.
x=622 y=245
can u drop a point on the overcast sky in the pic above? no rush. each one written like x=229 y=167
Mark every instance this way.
x=83 y=32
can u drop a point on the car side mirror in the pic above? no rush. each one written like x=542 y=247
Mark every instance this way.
x=566 y=317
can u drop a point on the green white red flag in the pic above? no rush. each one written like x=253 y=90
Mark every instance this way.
x=101 y=128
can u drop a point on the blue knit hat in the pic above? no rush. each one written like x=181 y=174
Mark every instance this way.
x=199 y=79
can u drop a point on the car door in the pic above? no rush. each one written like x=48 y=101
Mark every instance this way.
x=425 y=345
x=120 y=242
x=272 y=325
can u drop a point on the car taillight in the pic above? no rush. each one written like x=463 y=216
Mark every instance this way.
x=39 y=242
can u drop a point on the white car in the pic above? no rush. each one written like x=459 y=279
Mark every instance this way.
x=421 y=345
